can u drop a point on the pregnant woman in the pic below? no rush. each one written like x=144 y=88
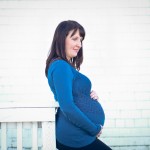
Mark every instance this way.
x=80 y=118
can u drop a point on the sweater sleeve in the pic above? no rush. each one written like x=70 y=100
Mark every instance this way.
x=62 y=78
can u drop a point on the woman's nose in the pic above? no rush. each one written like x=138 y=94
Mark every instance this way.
x=79 y=44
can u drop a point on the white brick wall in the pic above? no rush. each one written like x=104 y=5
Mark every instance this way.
x=117 y=59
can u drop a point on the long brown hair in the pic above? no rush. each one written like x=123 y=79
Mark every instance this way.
x=57 y=49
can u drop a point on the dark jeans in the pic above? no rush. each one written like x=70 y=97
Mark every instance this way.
x=96 y=145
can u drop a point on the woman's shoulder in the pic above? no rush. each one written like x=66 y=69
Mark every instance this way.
x=61 y=68
x=59 y=63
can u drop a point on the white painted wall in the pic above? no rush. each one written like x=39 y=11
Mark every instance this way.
x=116 y=51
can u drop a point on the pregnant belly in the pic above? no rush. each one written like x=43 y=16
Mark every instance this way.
x=91 y=108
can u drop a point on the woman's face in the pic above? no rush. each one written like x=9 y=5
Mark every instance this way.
x=73 y=44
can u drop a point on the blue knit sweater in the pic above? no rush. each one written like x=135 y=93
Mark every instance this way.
x=79 y=117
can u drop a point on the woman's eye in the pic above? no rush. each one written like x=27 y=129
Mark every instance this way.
x=74 y=39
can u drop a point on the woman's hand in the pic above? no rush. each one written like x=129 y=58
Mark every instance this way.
x=94 y=95
x=98 y=135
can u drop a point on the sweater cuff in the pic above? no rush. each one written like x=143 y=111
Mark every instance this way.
x=98 y=129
